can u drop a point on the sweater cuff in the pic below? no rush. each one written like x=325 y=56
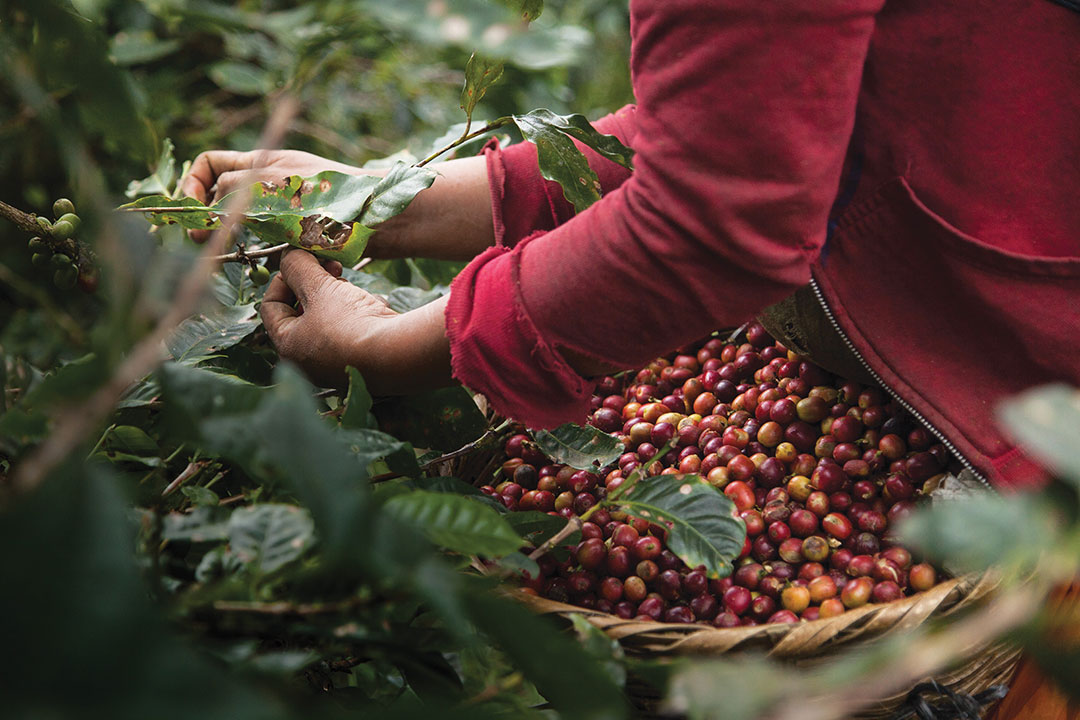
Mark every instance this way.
x=497 y=350
x=522 y=201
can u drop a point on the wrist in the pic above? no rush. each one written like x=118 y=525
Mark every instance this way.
x=410 y=352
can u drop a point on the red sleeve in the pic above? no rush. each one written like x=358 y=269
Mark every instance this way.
x=743 y=116
x=523 y=202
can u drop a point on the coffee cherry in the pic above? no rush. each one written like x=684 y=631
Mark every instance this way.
x=44 y=224
x=40 y=260
x=62 y=230
x=66 y=277
x=62 y=206
x=37 y=245
x=61 y=260
x=922 y=577
x=886 y=591
x=74 y=220
x=857 y=592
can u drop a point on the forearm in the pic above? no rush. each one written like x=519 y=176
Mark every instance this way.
x=451 y=220
x=410 y=354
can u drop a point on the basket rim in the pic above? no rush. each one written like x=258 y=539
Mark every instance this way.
x=802 y=640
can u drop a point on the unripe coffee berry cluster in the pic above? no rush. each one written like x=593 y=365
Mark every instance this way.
x=56 y=251
x=820 y=469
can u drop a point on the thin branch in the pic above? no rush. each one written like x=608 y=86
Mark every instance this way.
x=287 y=608
x=466 y=137
x=25 y=221
x=192 y=469
x=573 y=524
x=241 y=255
x=71 y=427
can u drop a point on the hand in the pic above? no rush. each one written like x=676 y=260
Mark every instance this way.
x=338 y=324
x=217 y=173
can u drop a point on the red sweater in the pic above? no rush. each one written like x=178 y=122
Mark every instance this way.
x=953 y=254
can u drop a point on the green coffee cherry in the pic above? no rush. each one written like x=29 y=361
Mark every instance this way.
x=40 y=260
x=62 y=207
x=60 y=260
x=44 y=224
x=62 y=230
x=260 y=275
x=72 y=218
x=37 y=245
x=66 y=277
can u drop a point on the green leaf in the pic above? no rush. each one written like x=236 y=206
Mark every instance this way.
x=203 y=524
x=404 y=299
x=131 y=440
x=528 y=10
x=138 y=47
x=579 y=446
x=480 y=74
x=575 y=684
x=537 y=527
x=394 y=192
x=357 y=413
x=330 y=214
x=199 y=495
x=444 y=419
x=1046 y=422
x=604 y=649
x=577 y=127
x=276 y=435
x=455 y=522
x=270 y=536
x=241 y=78
x=982 y=530
x=561 y=161
x=161 y=180
x=201 y=336
x=703 y=530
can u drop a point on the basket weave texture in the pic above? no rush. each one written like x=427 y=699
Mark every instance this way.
x=805 y=644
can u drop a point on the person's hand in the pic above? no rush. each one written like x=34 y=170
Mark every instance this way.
x=217 y=173
x=337 y=324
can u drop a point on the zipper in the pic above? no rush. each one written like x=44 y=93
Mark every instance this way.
x=892 y=393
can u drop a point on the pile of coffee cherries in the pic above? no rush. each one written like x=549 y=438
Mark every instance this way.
x=820 y=470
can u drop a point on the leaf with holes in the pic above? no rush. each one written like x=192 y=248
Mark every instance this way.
x=702 y=529
x=268 y=537
x=561 y=161
x=330 y=214
x=579 y=446
x=455 y=522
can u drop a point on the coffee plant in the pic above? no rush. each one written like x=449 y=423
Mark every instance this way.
x=189 y=528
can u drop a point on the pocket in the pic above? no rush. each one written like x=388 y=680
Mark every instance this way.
x=952 y=324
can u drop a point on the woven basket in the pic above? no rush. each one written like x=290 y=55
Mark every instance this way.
x=808 y=643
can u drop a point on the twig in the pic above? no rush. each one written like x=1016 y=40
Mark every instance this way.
x=362 y=263
x=466 y=137
x=573 y=524
x=287 y=608
x=476 y=444
x=192 y=469
x=240 y=255
x=25 y=221
x=71 y=428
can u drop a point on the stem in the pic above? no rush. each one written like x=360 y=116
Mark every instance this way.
x=241 y=255
x=466 y=137
x=25 y=221
x=573 y=524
